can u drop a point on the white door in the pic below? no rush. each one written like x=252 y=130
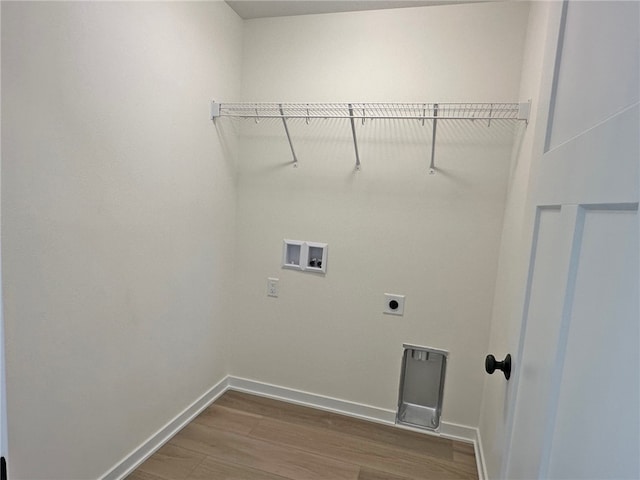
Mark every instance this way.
x=575 y=412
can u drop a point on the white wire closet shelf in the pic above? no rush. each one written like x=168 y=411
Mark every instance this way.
x=373 y=111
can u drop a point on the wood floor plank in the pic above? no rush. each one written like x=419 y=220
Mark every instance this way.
x=465 y=459
x=285 y=461
x=463 y=447
x=369 y=474
x=407 y=440
x=349 y=448
x=276 y=409
x=171 y=462
x=228 y=419
x=464 y=454
x=140 y=475
x=211 y=469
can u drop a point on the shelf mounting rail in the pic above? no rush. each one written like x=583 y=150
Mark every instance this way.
x=374 y=111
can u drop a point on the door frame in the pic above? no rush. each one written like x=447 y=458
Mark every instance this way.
x=544 y=105
x=3 y=389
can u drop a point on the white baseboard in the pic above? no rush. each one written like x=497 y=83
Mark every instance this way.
x=358 y=410
x=130 y=462
x=482 y=466
x=366 y=412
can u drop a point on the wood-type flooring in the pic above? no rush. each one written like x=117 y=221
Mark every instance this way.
x=246 y=437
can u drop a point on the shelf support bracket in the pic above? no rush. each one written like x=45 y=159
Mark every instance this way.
x=524 y=110
x=355 y=139
x=215 y=110
x=286 y=130
x=432 y=166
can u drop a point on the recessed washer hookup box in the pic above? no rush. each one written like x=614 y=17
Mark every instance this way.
x=421 y=387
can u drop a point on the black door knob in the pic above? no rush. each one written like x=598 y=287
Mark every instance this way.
x=491 y=365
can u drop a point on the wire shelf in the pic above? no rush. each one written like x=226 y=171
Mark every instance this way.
x=373 y=111
x=364 y=111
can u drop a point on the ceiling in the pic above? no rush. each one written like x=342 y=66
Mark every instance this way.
x=248 y=9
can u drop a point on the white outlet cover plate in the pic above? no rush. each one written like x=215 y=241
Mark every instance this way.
x=272 y=287
x=388 y=297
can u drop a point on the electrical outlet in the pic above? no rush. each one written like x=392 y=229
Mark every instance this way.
x=272 y=287
x=393 y=304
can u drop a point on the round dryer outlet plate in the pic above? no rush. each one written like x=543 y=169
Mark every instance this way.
x=393 y=304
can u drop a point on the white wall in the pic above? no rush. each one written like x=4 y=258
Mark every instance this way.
x=391 y=227
x=118 y=211
x=514 y=250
